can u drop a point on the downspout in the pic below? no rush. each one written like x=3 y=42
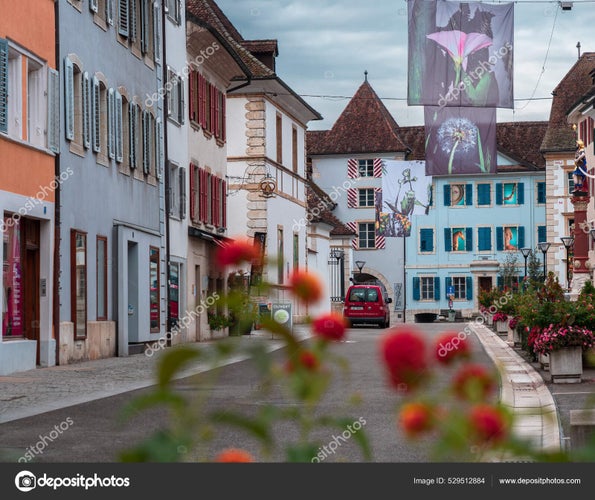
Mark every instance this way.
x=56 y=256
x=166 y=179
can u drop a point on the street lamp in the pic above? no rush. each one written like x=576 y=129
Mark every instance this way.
x=526 y=252
x=337 y=253
x=360 y=265
x=544 y=246
x=568 y=242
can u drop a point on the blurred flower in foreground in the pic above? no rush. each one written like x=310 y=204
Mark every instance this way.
x=235 y=252
x=488 y=423
x=306 y=359
x=305 y=286
x=403 y=351
x=234 y=455
x=416 y=418
x=450 y=347
x=473 y=383
x=329 y=326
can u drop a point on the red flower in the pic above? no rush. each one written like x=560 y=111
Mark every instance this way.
x=237 y=251
x=473 y=383
x=450 y=346
x=236 y=455
x=404 y=354
x=329 y=326
x=307 y=359
x=416 y=418
x=489 y=424
x=305 y=286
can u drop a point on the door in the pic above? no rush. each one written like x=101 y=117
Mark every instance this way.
x=485 y=283
x=30 y=251
x=197 y=298
x=133 y=295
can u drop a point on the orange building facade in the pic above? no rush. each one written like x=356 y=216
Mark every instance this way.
x=29 y=142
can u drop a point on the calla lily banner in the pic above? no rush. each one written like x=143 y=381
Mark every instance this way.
x=460 y=54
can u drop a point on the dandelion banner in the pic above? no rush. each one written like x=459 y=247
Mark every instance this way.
x=460 y=140
x=460 y=54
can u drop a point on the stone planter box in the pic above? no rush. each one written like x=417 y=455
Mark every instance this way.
x=502 y=327
x=544 y=361
x=516 y=338
x=566 y=365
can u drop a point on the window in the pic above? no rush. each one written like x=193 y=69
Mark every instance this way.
x=541 y=193
x=365 y=168
x=103 y=10
x=280 y=256
x=366 y=197
x=176 y=184
x=174 y=11
x=426 y=288
x=138 y=22
x=461 y=286
x=484 y=239
x=510 y=238
x=279 y=135
x=125 y=132
x=134 y=134
x=174 y=293
x=367 y=235
x=570 y=182
x=12 y=312
x=484 y=195
x=296 y=251
x=175 y=97
x=294 y=148
x=541 y=234
x=426 y=240
x=510 y=193
x=458 y=195
x=458 y=239
x=78 y=283
x=101 y=263
x=154 y=291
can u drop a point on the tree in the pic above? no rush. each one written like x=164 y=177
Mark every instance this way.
x=509 y=271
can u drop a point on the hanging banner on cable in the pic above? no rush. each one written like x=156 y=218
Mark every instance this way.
x=460 y=140
x=460 y=54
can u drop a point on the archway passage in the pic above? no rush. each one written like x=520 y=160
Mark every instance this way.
x=365 y=279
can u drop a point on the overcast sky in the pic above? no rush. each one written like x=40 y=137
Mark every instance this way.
x=326 y=45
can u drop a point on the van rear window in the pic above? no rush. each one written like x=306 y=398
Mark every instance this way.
x=363 y=295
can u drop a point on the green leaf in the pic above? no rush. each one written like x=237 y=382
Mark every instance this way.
x=161 y=447
x=303 y=452
x=173 y=361
x=259 y=426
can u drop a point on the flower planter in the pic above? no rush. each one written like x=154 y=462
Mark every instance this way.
x=516 y=338
x=544 y=361
x=566 y=365
x=502 y=326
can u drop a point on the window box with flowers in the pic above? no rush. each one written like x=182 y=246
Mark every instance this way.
x=514 y=335
x=500 y=319
x=564 y=344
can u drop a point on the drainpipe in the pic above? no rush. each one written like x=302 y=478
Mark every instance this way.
x=56 y=256
x=166 y=179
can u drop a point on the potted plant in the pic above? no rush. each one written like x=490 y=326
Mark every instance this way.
x=513 y=325
x=564 y=344
x=500 y=319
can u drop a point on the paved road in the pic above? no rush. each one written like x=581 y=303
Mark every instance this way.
x=95 y=432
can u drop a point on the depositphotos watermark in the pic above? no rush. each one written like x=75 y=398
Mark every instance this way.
x=183 y=323
x=331 y=447
x=26 y=481
x=50 y=437
x=312 y=213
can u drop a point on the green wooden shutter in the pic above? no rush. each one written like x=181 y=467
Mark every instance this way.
x=541 y=233
x=469 y=194
x=416 y=288
x=499 y=194
x=484 y=237
x=3 y=85
x=447 y=284
x=483 y=194
x=469 y=287
x=541 y=194
x=447 y=195
x=469 y=239
x=53 y=110
x=521 y=193
x=500 y=238
x=68 y=99
x=436 y=288
x=447 y=239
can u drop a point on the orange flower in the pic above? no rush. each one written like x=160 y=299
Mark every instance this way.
x=473 y=383
x=305 y=286
x=416 y=418
x=236 y=455
x=489 y=424
x=329 y=326
x=403 y=351
x=235 y=252
x=450 y=346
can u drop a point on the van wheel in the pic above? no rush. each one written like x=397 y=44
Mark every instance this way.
x=382 y=324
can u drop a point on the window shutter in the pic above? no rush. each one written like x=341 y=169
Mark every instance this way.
x=521 y=237
x=521 y=193
x=133 y=28
x=109 y=12
x=93 y=5
x=224 y=203
x=96 y=116
x=156 y=33
x=214 y=201
x=352 y=198
x=202 y=194
x=469 y=194
x=193 y=192
x=352 y=170
x=469 y=287
x=213 y=94
x=436 y=288
x=182 y=181
x=118 y=128
x=500 y=281
x=123 y=24
x=146 y=143
x=541 y=234
x=447 y=239
x=541 y=192
x=416 y=288
x=133 y=131
x=499 y=194
x=202 y=100
x=224 y=117
x=500 y=238
x=484 y=236
x=469 y=239
x=86 y=109
x=68 y=98
x=158 y=147
x=192 y=96
x=180 y=103
x=53 y=110
x=217 y=111
x=4 y=87
x=111 y=124
x=144 y=26
x=447 y=195
x=447 y=284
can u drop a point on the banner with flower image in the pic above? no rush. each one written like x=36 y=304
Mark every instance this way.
x=460 y=54
x=460 y=140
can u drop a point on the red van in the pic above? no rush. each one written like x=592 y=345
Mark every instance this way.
x=367 y=304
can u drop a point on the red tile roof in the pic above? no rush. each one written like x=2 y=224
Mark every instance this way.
x=320 y=206
x=577 y=82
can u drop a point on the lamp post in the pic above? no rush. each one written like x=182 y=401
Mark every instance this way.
x=526 y=252
x=544 y=246
x=339 y=254
x=360 y=265
x=568 y=242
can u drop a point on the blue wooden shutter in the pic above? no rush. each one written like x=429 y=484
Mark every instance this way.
x=133 y=28
x=469 y=287
x=144 y=26
x=436 y=288
x=96 y=121
x=500 y=281
x=541 y=192
x=53 y=110
x=483 y=194
x=469 y=239
x=69 y=99
x=157 y=34
x=426 y=240
x=447 y=195
x=158 y=147
x=541 y=234
x=146 y=142
x=521 y=237
x=499 y=194
x=469 y=194
x=123 y=18
x=4 y=85
x=118 y=126
x=447 y=239
x=416 y=288
x=132 y=133
x=484 y=237
x=500 y=238
x=447 y=284
x=521 y=193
